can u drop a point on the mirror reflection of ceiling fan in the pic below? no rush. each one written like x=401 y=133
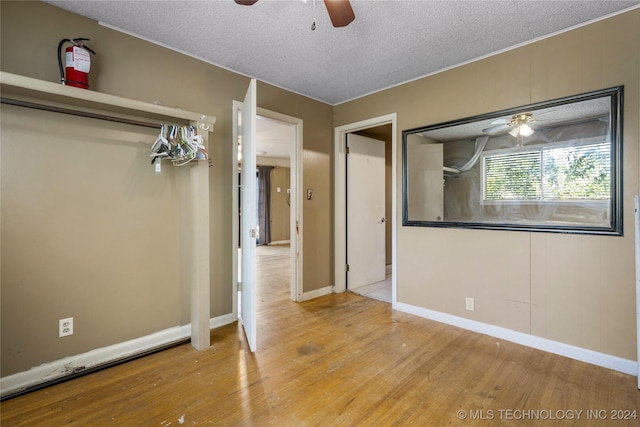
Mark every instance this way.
x=340 y=11
x=518 y=125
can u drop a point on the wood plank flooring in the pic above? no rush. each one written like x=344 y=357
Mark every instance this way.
x=338 y=360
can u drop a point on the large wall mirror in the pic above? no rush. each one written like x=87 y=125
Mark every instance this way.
x=552 y=166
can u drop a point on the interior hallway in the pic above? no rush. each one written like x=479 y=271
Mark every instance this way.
x=338 y=360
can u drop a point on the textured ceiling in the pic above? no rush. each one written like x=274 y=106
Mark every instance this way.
x=389 y=43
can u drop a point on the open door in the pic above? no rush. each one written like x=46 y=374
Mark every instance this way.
x=248 y=220
x=365 y=211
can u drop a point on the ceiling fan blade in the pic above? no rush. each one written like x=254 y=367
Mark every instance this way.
x=340 y=12
x=496 y=129
x=246 y=2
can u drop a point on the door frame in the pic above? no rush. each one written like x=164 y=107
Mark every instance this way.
x=637 y=253
x=340 y=205
x=295 y=210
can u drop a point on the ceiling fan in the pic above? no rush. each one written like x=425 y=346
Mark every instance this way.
x=518 y=125
x=340 y=11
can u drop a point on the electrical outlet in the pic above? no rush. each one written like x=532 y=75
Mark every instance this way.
x=66 y=327
x=470 y=304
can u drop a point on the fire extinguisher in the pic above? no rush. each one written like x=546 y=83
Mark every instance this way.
x=78 y=63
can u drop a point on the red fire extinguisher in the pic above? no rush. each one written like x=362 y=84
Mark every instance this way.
x=78 y=63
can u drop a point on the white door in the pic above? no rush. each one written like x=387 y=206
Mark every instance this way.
x=365 y=211
x=424 y=187
x=248 y=221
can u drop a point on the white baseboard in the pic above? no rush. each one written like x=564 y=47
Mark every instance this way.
x=589 y=356
x=316 y=293
x=100 y=356
x=225 y=319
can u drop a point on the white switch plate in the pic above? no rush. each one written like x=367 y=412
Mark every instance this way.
x=470 y=304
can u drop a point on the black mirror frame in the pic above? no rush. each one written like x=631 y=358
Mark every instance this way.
x=615 y=227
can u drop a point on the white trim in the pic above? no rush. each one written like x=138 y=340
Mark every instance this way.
x=198 y=251
x=316 y=293
x=235 y=206
x=637 y=233
x=225 y=319
x=589 y=356
x=55 y=92
x=100 y=356
x=340 y=210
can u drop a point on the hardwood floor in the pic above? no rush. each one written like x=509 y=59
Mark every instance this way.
x=338 y=360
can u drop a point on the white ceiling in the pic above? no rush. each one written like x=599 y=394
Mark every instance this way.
x=389 y=43
x=274 y=139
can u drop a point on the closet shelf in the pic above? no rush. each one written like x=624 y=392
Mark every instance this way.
x=21 y=87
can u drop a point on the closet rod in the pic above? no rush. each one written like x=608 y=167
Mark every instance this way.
x=69 y=111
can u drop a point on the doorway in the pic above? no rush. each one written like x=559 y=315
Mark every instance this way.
x=366 y=214
x=371 y=128
x=274 y=144
x=279 y=146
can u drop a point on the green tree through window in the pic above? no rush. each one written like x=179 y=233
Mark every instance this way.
x=514 y=176
x=565 y=173
x=577 y=173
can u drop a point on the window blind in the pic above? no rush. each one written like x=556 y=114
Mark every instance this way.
x=514 y=176
x=581 y=172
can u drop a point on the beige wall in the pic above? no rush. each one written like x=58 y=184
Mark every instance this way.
x=107 y=307
x=575 y=289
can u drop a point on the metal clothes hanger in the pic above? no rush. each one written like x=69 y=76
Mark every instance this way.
x=180 y=144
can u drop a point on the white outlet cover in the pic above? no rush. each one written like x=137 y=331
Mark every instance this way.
x=65 y=327
x=470 y=304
